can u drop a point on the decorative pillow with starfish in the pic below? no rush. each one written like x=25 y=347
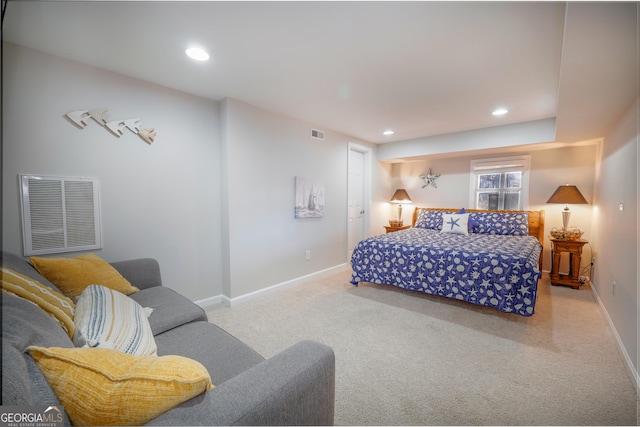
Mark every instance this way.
x=455 y=223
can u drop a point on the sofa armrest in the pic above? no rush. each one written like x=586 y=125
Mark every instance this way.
x=295 y=387
x=142 y=273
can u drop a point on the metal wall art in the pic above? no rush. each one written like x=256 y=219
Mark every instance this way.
x=430 y=179
x=81 y=119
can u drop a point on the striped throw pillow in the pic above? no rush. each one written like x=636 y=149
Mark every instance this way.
x=58 y=306
x=106 y=318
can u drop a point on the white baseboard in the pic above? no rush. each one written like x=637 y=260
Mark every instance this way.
x=246 y=297
x=623 y=351
x=210 y=302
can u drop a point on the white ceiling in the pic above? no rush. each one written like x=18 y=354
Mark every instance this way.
x=420 y=68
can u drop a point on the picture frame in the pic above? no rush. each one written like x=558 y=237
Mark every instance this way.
x=309 y=198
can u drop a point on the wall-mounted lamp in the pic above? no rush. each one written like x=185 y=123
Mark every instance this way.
x=400 y=197
x=567 y=194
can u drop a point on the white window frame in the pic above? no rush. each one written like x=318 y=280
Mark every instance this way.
x=500 y=165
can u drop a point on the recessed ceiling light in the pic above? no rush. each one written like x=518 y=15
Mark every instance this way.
x=197 y=53
x=388 y=132
x=500 y=112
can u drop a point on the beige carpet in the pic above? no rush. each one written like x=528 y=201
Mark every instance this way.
x=404 y=358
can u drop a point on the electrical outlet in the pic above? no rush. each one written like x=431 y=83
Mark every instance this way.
x=613 y=288
x=307 y=254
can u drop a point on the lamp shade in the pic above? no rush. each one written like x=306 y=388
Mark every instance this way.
x=568 y=194
x=400 y=196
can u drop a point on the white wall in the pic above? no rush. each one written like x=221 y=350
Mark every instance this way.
x=159 y=200
x=212 y=198
x=615 y=236
x=265 y=152
x=383 y=188
x=549 y=169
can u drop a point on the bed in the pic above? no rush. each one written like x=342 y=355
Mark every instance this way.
x=487 y=258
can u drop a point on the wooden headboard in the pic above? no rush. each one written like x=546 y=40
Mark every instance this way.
x=536 y=219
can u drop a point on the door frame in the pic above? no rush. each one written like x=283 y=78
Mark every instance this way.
x=366 y=190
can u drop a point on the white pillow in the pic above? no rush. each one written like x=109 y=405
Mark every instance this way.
x=455 y=223
x=106 y=318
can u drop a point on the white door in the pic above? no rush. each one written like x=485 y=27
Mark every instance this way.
x=358 y=182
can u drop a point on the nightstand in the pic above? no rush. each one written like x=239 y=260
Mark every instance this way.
x=574 y=248
x=391 y=229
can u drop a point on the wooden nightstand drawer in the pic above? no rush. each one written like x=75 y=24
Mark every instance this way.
x=568 y=247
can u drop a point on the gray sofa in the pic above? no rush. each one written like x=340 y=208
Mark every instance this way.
x=295 y=387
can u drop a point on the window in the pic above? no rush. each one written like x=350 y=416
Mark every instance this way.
x=60 y=214
x=500 y=184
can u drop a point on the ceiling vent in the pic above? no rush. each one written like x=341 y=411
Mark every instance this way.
x=317 y=134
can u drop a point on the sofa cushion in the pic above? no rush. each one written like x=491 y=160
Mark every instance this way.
x=109 y=319
x=100 y=386
x=294 y=387
x=142 y=272
x=222 y=354
x=25 y=324
x=23 y=384
x=170 y=309
x=20 y=265
x=61 y=308
x=72 y=275
x=16 y=388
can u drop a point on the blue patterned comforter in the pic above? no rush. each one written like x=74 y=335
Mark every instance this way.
x=491 y=270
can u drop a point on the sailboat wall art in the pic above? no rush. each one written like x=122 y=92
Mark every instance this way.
x=309 y=198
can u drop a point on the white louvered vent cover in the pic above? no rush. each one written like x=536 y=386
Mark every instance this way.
x=60 y=214
x=317 y=134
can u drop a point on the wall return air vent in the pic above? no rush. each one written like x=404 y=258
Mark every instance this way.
x=317 y=134
x=60 y=214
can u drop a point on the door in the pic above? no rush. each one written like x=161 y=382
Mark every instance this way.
x=358 y=184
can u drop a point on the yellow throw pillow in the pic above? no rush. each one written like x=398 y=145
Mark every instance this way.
x=72 y=275
x=100 y=386
x=61 y=308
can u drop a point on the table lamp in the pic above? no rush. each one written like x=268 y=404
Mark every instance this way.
x=400 y=197
x=567 y=194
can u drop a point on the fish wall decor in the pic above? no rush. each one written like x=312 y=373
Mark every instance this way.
x=81 y=118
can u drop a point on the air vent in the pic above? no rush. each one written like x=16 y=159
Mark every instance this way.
x=317 y=134
x=60 y=214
